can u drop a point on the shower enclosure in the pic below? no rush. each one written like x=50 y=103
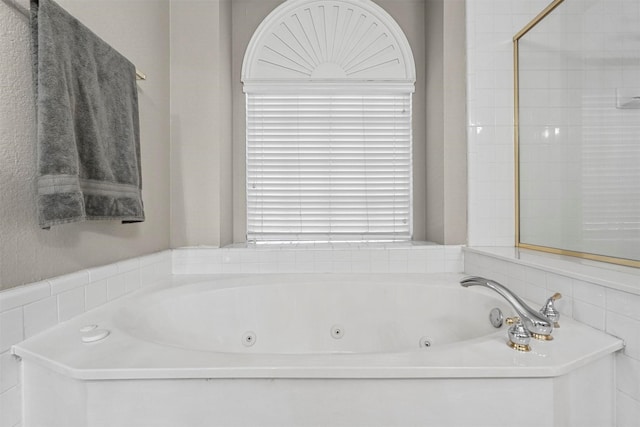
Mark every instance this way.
x=577 y=134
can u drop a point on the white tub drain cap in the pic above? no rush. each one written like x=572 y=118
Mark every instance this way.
x=95 y=335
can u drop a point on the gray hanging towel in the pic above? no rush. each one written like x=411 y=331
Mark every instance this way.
x=87 y=121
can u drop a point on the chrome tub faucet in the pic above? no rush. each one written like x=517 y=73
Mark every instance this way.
x=536 y=323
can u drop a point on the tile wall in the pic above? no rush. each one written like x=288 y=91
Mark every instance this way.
x=606 y=298
x=320 y=258
x=30 y=309
x=491 y=25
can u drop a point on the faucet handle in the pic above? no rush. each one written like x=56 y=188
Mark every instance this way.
x=549 y=310
x=519 y=336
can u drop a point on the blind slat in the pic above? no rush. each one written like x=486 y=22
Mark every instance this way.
x=328 y=165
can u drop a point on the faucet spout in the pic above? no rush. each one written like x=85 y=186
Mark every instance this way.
x=539 y=326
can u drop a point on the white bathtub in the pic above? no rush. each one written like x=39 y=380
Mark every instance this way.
x=314 y=350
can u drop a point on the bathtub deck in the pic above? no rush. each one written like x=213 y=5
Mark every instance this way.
x=124 y=357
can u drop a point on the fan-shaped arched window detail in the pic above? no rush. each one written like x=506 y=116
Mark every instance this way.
x=328 y=85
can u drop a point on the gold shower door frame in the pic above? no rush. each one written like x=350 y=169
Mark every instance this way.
x=558 y=251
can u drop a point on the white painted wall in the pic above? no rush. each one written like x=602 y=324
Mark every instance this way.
x=139 y=30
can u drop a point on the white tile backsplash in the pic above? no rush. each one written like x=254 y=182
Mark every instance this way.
x=25 y=295
x=116 y=287
x=69 y=281
x=589 y=293
x=627 y=329
x=95 y=294
x=11 y=328
x=10 y=407
x=40 y=315
x=104 y=272
x=328 y=258
x=70 y=304
x=9 y=371
x=624 y=303
x=627 y=411
x=627 y=374
x=562 y=284
x=589 y=314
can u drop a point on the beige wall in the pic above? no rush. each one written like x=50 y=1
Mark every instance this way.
x=446 y=158
x=139 y=30
x=201 y=190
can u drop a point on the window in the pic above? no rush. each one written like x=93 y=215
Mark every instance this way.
x=328 y=125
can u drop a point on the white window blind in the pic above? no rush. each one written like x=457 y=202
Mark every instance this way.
x=327 y=166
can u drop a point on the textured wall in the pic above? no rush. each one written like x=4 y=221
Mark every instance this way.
x=139 y=30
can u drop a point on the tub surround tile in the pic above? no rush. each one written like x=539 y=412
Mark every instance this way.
x=627 y=411
x=104 y=272
x=128 y=265
x=154 y=268
x=624 y=303
x=159 y=258
x=611 y=276
x=627 y=374
x=536 y=294
x=589 y=293
x=271 y=256
x=564 y=306
x=628 y=330
x=71 y=304
x=40 y=315
x=589 y=314
x=69 y=281
x=11 y=328
x=116 y=287
x=535 y=277
x=268 y=268
x=9 y=371
x=320 y=258
x=562 y=284
x=10 y=407
x=131 y=280
x=24 y=295
x=96 y=294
